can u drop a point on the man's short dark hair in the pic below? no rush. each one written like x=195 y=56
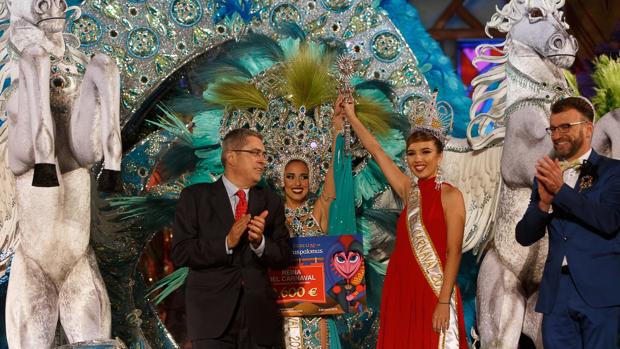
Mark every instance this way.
x=235 y=139
x=580 y=104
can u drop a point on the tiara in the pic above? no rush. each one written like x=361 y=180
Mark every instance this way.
x=305 y=136
x=433 y=117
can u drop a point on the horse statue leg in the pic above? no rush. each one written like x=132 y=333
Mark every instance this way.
x=500 y=304
x=95 y=127
x=533 y=321
x=83 y=301
x=32 y=311
x=95 y=133
x=508 y=277
x=31 y=128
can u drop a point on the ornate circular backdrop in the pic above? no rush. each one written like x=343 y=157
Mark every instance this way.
x=153 y=42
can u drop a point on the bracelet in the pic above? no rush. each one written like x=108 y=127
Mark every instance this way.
x=440 y=302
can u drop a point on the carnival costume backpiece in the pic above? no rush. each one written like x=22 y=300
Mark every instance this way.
x=408 y=299
x=290 y=99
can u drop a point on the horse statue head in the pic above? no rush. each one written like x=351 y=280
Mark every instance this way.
x=540 y=25
x=41 y=21
x=48 y=15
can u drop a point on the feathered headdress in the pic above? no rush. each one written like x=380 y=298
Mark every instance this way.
x=285 y=89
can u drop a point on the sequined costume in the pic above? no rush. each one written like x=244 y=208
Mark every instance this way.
x=305 y=332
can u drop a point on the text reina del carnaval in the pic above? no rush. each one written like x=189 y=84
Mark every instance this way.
x=292 y=275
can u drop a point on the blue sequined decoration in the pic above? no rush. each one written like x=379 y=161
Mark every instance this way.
x=185 y=13
x=142 y=43
x=386 y=46
x=228 y=8
x=87 y=28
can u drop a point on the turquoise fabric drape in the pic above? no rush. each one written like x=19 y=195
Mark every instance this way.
x=342 y=209
x=341 y=212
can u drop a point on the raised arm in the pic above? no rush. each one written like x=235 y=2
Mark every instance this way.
x=328 y=194
x=399 y=181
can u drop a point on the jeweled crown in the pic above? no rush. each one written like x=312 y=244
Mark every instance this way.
x=433 y=117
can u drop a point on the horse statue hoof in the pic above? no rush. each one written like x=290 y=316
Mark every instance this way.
x=109 y=181
x=45 y=176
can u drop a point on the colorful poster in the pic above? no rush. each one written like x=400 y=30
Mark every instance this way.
x=326 y=278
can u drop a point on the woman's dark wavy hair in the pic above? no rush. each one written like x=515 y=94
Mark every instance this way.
x=424 y=136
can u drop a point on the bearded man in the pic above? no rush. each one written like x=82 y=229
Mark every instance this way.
x=576 y=198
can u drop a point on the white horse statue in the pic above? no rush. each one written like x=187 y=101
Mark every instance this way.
x=529 y=74
x=63 y=117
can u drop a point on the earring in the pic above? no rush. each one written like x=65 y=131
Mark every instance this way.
x=438 y=178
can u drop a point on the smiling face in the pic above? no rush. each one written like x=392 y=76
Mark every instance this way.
x=423 y=158
x=296 y=183
x=245 y=166
x=576 y=140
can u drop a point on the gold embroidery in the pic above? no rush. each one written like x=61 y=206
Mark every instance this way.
x=421 y=243
x=424 y=250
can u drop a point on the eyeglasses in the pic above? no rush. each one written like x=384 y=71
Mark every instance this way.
x=254 y=152
x=563 y=128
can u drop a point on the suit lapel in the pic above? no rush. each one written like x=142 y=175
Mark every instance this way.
x=220 y=202
x=594 y=160
x=257 y=201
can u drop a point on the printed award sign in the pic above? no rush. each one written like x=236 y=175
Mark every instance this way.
x=327 y=277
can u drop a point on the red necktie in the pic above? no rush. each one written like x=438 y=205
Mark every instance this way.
x=242 y=205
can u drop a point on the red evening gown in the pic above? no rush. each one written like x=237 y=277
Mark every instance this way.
x=408 y=301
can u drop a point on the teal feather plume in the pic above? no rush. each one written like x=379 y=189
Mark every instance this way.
x=261 y=46
x=207 y=128
x=183 y=103
x=224 y=68
x=384 y=87
x=164 y=287
x=171 y=123
x=176 y=161
x=292 y=30
x=150 y=212
x=370 y=180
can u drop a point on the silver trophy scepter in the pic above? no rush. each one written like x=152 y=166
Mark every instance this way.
x=346 y=67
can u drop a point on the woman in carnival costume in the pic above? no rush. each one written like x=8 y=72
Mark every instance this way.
x=421 y=305
x=297 y=173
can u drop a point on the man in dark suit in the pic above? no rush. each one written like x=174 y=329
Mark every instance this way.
x=228 y=233
x=580 y=207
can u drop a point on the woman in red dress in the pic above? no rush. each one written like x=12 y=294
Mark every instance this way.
x=421 y=306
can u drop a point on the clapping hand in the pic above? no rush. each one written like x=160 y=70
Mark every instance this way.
x=550 y=179
x=549 y=173
x=237 y=230
x=256 y=227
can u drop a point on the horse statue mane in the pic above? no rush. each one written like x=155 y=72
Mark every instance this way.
x=485 y=91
